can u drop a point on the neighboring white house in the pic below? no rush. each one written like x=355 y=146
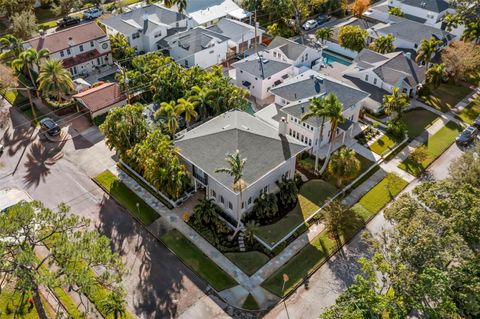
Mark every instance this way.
x=292 y=101
x=270 y=154
x=197 y=46
x=144 y=27
x=241 y=35
x=82 y=48
x=258 y=75
x=291 y=52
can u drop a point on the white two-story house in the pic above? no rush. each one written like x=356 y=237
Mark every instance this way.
x=145 y=27
x=197 y=46
x=291 y=52
x=82 y=48
x=270 y=154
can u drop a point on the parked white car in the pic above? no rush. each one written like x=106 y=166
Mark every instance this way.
x=92 y=13
x=309 y=25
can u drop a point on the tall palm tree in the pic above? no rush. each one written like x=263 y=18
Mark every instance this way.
x=324 y=34
x=250 y=228
x=171 y=112
x=27 y=59
x=202 y=98
x=334 y=113
x=317 y=109
x=181 y=4
x=187 y=108
x=344 y=165
x=10 y=47
x=383 y=44
x=427 y=49
x=205 y=211
x=235 y=168
x=114 y=304
x=395 y=103
x=54 y=79
x=435 y=74
x=472 y=31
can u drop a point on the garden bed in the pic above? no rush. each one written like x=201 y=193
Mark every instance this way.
x=435 y=145
x=384 y=144
x=194 y=258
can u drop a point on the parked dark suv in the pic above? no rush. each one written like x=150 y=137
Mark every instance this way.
x=476 y=123
x=50 y=126
x=467 y=136
x=68 y=21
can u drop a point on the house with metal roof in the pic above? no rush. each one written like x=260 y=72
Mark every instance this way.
x=270 y=153
x=144 y=27
x=288 y=51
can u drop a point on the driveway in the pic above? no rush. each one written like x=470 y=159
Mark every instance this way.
x=337 y=274
x=158 y=284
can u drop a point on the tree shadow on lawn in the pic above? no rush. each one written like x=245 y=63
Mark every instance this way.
x=159 y=284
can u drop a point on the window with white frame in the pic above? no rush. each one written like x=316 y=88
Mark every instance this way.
x=230 y=206
x=214 y=195
x=366 y=77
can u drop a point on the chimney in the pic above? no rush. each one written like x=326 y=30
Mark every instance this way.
x=70 y=42
x=282 y=126
x=145 y=22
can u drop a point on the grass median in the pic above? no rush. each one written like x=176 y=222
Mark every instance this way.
x=194 y=258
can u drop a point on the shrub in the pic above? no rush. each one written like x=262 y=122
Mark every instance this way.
x=396 y=128
x=424 y=91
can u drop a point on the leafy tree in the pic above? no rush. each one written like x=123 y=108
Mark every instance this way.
x=63 y=7
x=235 y=168
x=419 y=154
x=359 y=7
x=202 y=98
x=462 y=59
x=124 y=127
x=436 y=74
x=121 y=50
x=273 y=29
x=10 y=7
x=187 y=108
x=288 y=191
x=205 y=211
x=396 y=11
x=466 y=168
x=22 y=24
x=383 y=44
x=27 y=59
x=338 y=219
x=114 y=304
x=352 y=37
x=70 y=245
x=180 y=4
x=324 y=34
x=7 y=78
x=427 y=50
x=265 y=205
x=53 y=79
x=395 y=103
x=10 y=47
x=250 y=228
x=472 y=32
x=318 y=108
x=344 y=165
x=171 y=112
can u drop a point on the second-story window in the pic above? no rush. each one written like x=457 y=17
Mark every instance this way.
x=80 y=47
x=375 y=81
x=366 y=77
x=68 y=51
x=91 y=44
x=135 y=35
x=62 y=54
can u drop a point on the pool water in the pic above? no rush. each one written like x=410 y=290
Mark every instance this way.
x=330 y=57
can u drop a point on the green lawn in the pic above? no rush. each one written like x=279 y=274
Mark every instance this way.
x=417 y=120
x=43 y=14
x=46 y=25
x=15 y=98
x=250 y=303
x=436 y=145
x=249 y=262
x=10 y=302
x=127 y=197
x=446 y=96
x=470 y=112
x=383 y=145
x=197 y=260
x=311 y=196
x=321 y=247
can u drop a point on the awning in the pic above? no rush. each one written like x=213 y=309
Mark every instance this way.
x=239 y=14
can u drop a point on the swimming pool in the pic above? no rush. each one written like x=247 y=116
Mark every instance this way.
x=330 y=57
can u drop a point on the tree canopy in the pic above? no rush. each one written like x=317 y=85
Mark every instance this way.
x=352 y=37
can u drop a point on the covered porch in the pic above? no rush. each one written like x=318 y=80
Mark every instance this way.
x=346 y=133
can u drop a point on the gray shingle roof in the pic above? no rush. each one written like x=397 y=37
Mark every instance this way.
x=206 y=146
x=194 y=40
x=232 y=28
x=291 y=49
x=431 y=5
x=131 y=21
x=261 y=67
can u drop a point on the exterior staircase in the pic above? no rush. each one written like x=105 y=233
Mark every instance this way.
x=241 y=241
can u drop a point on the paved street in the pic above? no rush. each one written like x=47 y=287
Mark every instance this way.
x=159 y=285
x=337 y=274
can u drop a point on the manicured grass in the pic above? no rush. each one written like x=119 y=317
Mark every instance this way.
x=436 y=145
x=127 y=197
x=249 y=262
x=197 y=260
x=470 y=112
x=46 y=25
x=417 y=120
x=446 y=96
x=365 y=177
x=311 y=196
x=321 y=247
x=383 y=144
x=250 y=303
x=10 y=302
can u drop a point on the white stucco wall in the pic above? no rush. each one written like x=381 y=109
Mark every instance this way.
x=259 y=88
x=205 y=58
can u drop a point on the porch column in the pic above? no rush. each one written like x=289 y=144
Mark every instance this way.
x=351 y=130
x=343 y=138
x=195 y=184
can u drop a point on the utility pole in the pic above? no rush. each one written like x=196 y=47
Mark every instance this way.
x=256 y=26
x=125 y=79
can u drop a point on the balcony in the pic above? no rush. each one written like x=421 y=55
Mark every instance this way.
x=200 y=176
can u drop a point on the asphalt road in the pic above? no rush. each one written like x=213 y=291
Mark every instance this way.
x=158 y=284
x=337 y=274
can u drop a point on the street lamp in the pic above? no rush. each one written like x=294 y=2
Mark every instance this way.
x=285 y=279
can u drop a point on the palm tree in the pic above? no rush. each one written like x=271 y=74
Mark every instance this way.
x=333 y=110
x=250 y=228
x=427 y=50
x=10 y=47
x=396 y=12
x=236 y=165
x=317 y=108
x=120 y=47
x=202 y=98
x=472 y=32
x=205 y=211
x=171 y=112
x=324 y=34
x=27 y=59
x=436 y=73
x=395 y=103
x=181 y=4
x=54 y=79
x=187 y=108
x=344 y=165
x=383 y=44
x=114 y=304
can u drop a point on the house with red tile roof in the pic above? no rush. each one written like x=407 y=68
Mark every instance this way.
x=101 y=99
x=82 y=48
